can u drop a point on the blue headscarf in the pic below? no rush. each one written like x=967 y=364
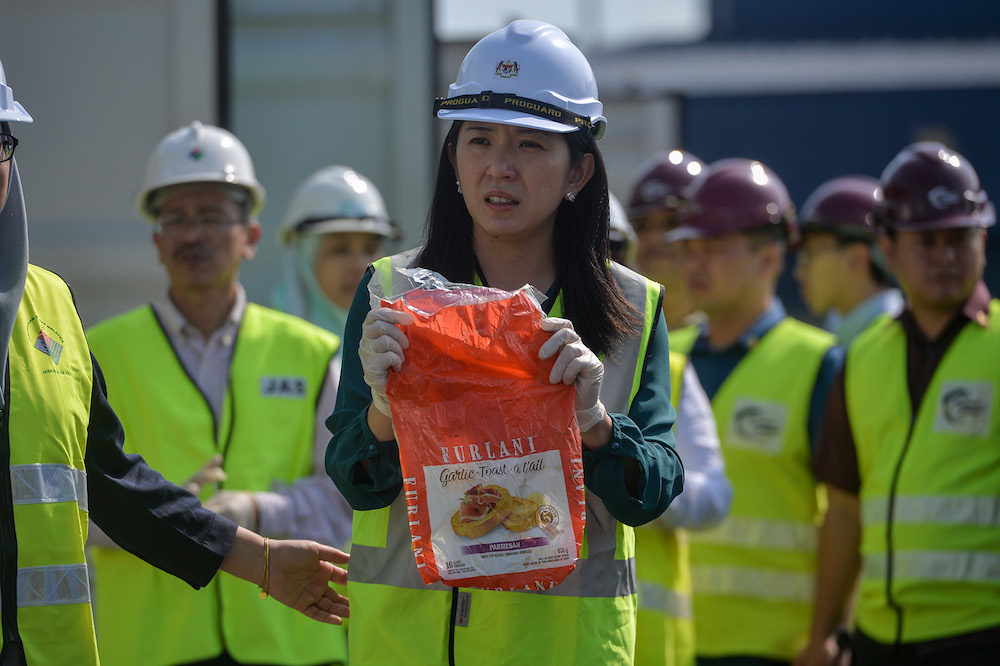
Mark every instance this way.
x=300 y=294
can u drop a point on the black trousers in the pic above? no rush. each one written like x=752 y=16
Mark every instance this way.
x=739 y=661
x=981 y=648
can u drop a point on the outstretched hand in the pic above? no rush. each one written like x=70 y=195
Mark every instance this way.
x=301 y=573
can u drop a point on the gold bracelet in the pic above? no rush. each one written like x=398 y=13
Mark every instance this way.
x=267 y=571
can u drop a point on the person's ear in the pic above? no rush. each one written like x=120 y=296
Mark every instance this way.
x=580 y=174
x=888 y=247
x=859 y=256
x=771 y=256
x=254 y=232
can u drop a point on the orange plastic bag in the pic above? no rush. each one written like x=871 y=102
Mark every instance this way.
x=490 y=450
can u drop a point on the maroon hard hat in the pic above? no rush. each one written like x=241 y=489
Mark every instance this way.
x=736 y=194
x=930 y=186
x=660 y=183
x=841 y=206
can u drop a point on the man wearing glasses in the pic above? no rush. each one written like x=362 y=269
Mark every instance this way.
x=226 y=397
x=61 y=446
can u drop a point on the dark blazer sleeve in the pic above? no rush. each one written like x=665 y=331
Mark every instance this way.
x=140 y=510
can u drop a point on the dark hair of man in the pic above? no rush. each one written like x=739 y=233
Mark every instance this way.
x=768 y=233
x=591 y=297
x=878 y=274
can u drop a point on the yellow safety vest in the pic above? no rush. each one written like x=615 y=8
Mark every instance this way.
x=589 y=618
x=44 y=431
x=665 y=627
x=930 y=485
x=753 y=575
x=146 y=616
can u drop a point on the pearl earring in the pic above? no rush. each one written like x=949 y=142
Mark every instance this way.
x=570 y=197
x=457 y=182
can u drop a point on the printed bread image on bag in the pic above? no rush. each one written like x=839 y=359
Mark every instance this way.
x=483 y=509
x=490 y=450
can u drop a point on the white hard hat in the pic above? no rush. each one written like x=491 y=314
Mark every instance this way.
x=336 y=199
x=10 y=109
x=528 y=74
x=200 y=153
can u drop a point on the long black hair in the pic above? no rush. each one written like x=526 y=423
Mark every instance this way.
x=592 y=299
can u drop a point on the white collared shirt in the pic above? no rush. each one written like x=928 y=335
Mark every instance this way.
x=310 y=508
x=206 y=360
x=707 y=493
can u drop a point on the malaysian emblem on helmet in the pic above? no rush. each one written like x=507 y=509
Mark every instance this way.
x=943 y=198
x=196 y=153
x=507 y=68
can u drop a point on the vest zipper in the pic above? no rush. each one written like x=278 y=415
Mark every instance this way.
x=13 y=649
x=888 y=531
x=224 y=449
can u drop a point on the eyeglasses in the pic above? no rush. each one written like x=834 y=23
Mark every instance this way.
x=8 y=144
x=213 y=222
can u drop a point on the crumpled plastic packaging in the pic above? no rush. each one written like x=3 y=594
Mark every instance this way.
x=490 y=450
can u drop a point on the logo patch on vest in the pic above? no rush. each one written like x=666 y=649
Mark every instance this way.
x=758 y=425
x=283 y=387
x=48 y=341
x=964 y=407
x=47 y=345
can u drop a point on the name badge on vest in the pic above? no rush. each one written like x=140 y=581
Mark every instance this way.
x=964 y=407
x=757 y=425
x=283 y=387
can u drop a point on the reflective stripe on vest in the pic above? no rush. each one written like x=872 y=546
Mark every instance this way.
x=657 y=598
x=601 y=575
x=53 y=585
x=930 y=484
x=42 y=483
x=935 y=565
x=266 y=436
x=943 y=509
x=760 y=533
x=51 y=382
x=599 y=594
x=753 y=582
x=764 y=551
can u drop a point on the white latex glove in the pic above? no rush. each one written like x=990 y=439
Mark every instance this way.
x=209 y=474
x=236 y=505
x=576 y=365
x=381 y=350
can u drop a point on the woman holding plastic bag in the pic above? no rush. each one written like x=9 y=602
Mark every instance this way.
x=521 y=198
